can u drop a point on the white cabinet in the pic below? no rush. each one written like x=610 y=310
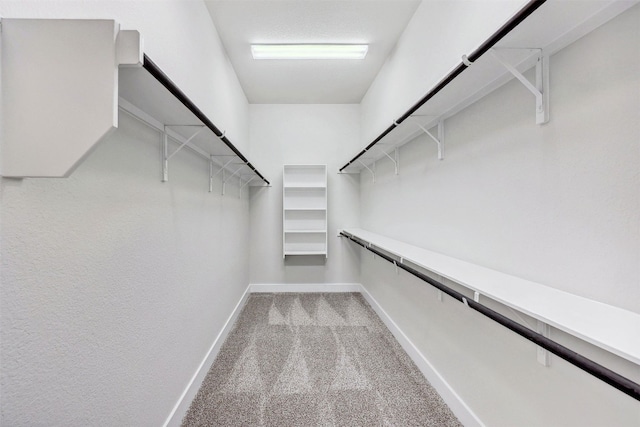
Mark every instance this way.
x=304 y=202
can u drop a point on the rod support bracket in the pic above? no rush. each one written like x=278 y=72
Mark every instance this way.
x=394 y=159
x=373 y=172
x=439 y=140
x=541 y=87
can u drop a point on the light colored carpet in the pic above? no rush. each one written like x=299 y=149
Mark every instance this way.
x=314 y=360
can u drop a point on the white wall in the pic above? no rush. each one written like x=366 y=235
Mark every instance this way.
x=557 y=204
x=303 y=134
x=433 y=43
x=113 y=284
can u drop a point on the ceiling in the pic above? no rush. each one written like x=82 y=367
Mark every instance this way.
x=243 y=22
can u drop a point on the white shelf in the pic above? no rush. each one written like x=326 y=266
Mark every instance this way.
x=553 y=26
x=322 y=252
x=144 y=94
x=305 y=220
x=304 y=209
x=608 y=327
x=304 y=203
x=296 y=186
x=304 y=176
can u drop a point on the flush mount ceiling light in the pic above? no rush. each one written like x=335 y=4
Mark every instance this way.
x=309 y=51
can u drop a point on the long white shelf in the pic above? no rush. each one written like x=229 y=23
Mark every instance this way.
x=551 y=27
x=611 y=328
x=149 y=95
x=305 y=231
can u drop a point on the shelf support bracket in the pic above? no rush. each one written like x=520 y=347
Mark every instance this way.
x=541 y=88
x=165 y=150
x=439 y=140
x=244 y=185
x=213 y=175
x=165 y=159
x=224 y=180
x=394 y=159
x=543 y=356
x=373 y=173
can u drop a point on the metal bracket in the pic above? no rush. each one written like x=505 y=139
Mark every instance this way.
x=212 y=175
x=165 y=148
x=476 y=296
x=541 y=88
x=439 y=140
x=395 y=159
x=373 y=172
x=224 y=180
x=244 y=185
x=543 y=356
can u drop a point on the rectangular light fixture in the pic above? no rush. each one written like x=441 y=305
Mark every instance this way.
x=309 y=51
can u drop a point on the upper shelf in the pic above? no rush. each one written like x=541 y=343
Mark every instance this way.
x=540 y=28
x=63 y=81
x=147 y=93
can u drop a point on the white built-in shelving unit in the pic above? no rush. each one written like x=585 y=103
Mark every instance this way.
x=304 y=203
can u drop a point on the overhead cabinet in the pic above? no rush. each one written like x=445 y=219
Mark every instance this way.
x=64 y=81
x=304 y=201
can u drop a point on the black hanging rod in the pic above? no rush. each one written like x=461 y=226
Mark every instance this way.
x=610 y=377
x=156 y=72
x=527 y=10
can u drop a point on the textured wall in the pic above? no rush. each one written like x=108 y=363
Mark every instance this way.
x=558 y=204
x=303 y=134
x=113 y=284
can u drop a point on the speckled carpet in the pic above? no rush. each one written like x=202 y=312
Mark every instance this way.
x=314 y=360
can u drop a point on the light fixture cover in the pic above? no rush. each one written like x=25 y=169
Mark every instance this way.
x=309 y=51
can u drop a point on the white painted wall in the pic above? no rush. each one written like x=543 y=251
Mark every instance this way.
x=433 y=43
x=557 y=204
x=303 y=134
x=113 y=284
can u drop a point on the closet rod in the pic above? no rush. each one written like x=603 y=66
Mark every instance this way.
x=527 y=10
x=610 y=377
x=156 y=72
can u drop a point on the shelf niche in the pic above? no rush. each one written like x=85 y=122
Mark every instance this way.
x=304 y=203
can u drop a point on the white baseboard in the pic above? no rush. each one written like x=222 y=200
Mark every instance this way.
x=189 y=393
x=304 y=287
x=450 y=397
